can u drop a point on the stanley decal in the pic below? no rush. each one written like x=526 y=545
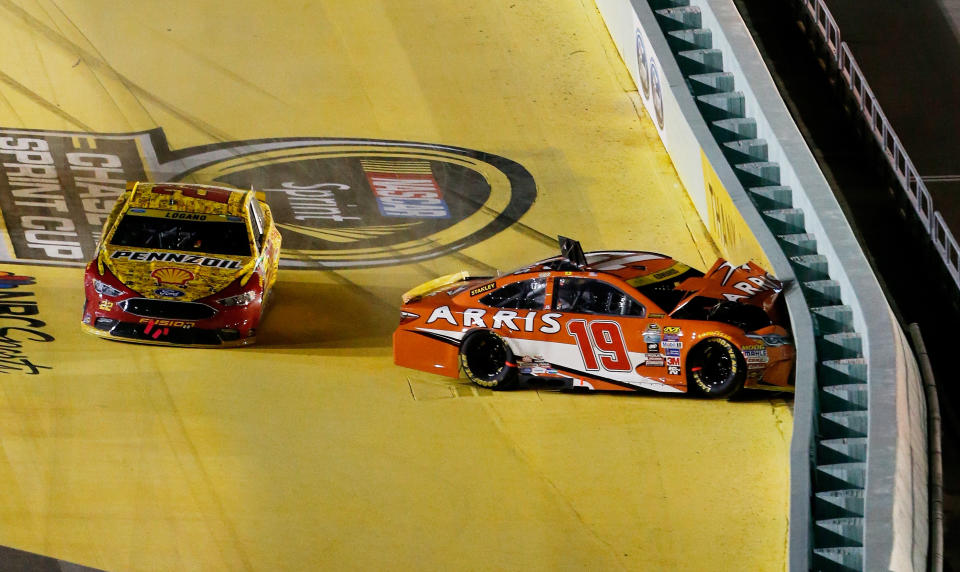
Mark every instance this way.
x=482 y=289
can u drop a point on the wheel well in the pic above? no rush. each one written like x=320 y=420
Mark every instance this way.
x=747 y=318
x=715 y=338
x=480 y=331
x=693 y=377
x=477 y=365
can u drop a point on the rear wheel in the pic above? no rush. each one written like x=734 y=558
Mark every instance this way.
x=487 y=360
x=715 y=368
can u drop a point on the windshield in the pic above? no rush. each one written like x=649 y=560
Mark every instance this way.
x=212 y=234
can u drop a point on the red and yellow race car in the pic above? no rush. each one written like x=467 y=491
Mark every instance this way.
x=611 y=320
x=183 y=265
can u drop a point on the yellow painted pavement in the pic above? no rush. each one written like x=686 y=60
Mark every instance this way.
x=311 y=450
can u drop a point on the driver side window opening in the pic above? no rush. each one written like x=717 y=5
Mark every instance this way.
x=591 y=296
x=522 y=295
x=257 y=220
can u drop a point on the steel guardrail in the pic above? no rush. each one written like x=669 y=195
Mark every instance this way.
x=910 y=181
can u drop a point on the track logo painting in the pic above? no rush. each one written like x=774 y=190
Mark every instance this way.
x=20 y=325
x=339 y=203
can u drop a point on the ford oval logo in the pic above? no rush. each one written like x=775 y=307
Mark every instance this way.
x=168 y=292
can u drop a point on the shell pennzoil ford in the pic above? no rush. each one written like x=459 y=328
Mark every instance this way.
x=183 y=265
x=613 y=320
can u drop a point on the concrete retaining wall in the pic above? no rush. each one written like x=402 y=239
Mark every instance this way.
x=895 y=534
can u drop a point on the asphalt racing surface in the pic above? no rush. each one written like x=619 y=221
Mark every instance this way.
x=311 y=450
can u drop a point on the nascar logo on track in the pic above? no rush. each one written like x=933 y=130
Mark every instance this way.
x=405 y=188
x=340 y=203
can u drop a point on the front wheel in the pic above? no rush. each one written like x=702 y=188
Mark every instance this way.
x=487 y=360
x=715 y=368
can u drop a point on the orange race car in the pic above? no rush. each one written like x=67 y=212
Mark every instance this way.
x=184 y=265
x=611 y=320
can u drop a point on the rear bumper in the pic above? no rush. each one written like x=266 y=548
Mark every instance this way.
x=418 y=351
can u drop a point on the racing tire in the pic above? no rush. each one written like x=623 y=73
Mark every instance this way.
x=488 y=361
x=715 y=368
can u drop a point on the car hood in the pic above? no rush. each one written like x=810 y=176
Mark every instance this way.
x=172 y=275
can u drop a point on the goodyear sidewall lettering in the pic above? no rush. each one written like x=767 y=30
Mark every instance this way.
x=723 y=342
x=489 y=383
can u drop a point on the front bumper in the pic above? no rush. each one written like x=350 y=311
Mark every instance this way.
x=234 y=326
x=169 y=335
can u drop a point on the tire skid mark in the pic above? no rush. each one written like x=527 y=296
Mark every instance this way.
x=517 y=450
x=198 y=56
x=339 y=277
x=97 y=63
x=427 y=272
x=518 y=226
x=227 y=72
x=462 y=257
x=191 y=464
x=42 y=101
x=11 y=107
x=93 y=72
x=42 y=60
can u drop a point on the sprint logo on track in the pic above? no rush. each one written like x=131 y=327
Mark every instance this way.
x=340 y=203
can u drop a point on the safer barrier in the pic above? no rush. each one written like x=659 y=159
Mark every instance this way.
x=858 y=467
x=910 y=182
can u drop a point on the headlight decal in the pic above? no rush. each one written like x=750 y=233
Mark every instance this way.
x=771 y=340
x=238 y=300
x=105 y=289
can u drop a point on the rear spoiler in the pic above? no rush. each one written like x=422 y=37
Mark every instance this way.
x=746 y=284
x=435 y=284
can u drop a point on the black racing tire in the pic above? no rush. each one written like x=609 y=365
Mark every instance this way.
x=715 y=368
x=487 y=360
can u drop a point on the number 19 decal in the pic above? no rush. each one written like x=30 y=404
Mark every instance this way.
x=603 y=338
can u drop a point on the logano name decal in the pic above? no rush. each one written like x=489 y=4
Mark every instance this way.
x=545 y=323
x=18 y=324
x=207 y=261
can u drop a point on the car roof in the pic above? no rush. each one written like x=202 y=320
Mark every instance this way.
x=189 y=198
x=626 y=265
